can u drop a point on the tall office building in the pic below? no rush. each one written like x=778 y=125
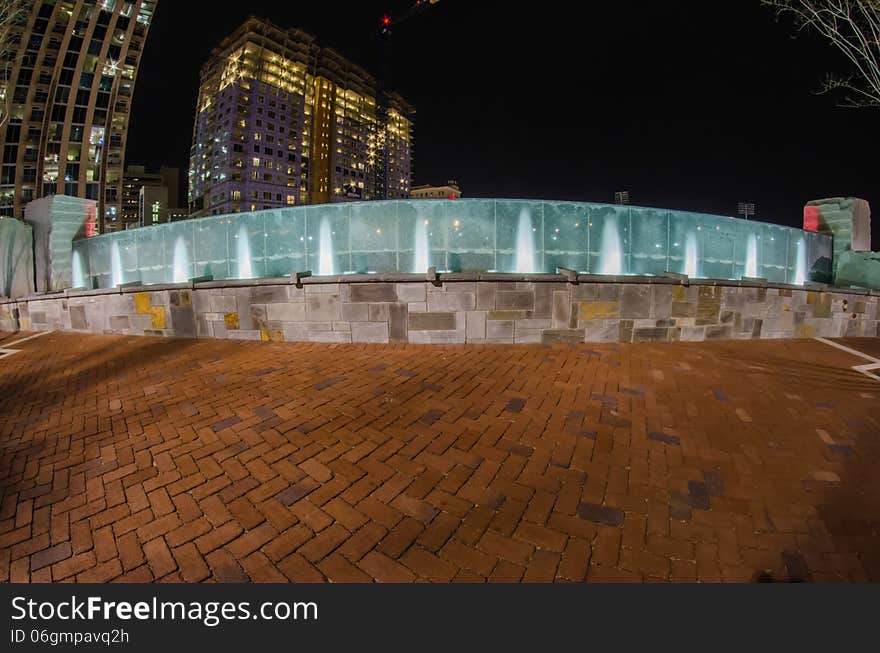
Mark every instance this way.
x=135 y=179
x=70 y=88
x=282 y=121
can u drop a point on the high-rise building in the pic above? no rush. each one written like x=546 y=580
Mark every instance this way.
x=282 y=121
x=150 y=197
x=152 y=205
x=134 y=179
x=69 y=89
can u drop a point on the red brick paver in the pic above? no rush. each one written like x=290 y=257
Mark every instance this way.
x=144 y=459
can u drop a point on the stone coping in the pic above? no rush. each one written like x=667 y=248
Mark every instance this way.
x=447 y=277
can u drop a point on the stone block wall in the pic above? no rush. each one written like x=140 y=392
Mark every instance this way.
x=521 y=310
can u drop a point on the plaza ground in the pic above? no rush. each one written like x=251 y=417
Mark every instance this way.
x=147 y=459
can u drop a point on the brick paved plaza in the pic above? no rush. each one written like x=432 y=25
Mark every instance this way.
x=143 y=459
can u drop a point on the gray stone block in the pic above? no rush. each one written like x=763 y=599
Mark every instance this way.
x=286 y=312
x=269 y=294
x=521 y=299
x=295 y=294
x=431 y=321
x=584 y=292
x=661 y=302
x=411 y=292
x=476 y=325
x=533 y=324
x=563 y=315
x=222 y=304
x=562 y=336
x=120 y=322
x=485 y=296
x=322 y=307
x=373 y=292
x=377 y=312
x=258 y=317
x=650 y=334
x=369 y=332
x=439 y=302
x=244 y=334
x=437 y=337
x=182 y=321
x=693 y=333
x=329 y=336
x=78 y=318
x=523 y=336
x=635 y=301
x=397 y=323
x=355 y=312
x=499 y=329
x=600 y=330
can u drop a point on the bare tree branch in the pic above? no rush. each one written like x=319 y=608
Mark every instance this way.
x=12 y=14
x=853 y=27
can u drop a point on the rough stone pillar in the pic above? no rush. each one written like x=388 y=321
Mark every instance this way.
x=57 y=220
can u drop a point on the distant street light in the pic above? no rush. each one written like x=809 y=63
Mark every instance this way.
x=745 y=209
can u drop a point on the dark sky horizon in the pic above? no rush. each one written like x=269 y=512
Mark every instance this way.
x=684 y=107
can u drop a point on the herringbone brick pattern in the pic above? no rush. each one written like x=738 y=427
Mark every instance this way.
x=142 y=459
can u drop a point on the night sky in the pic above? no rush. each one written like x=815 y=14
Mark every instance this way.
x=688 y=105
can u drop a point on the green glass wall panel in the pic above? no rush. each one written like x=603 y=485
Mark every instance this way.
x=459 y=236
x=210 y=248
x=328 y=229
x=566 y=235
x=650 y=242
x=475 y=234
x=151 y=256
x=285 y=243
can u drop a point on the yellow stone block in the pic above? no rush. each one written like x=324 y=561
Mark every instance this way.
x=806 y=331
x=142 y=303
x=598 y=310
x=811 y=297
x=186 y=298
x=231 y=320
x=679 y=293
x=157 y=316
x=272 y=335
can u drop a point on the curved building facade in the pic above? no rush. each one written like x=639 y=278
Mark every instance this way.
x=70 y=89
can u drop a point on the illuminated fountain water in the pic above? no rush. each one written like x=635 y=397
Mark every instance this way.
x=326 y=265
x=116 y=265
x=800 y=265
x=422 y=251
x=691 y=262
x=180 y=267
x=752 y=256
x=610 y=256
x=525 y=244
x=243 y=254
x=78 y=276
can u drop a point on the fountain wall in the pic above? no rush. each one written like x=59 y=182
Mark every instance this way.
x=471 y=235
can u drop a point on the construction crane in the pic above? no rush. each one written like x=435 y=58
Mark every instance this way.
x=383 y=95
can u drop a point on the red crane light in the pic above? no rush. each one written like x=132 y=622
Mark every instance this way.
x=386 y=20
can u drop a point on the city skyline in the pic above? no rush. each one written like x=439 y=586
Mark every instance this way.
x=738 y=122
